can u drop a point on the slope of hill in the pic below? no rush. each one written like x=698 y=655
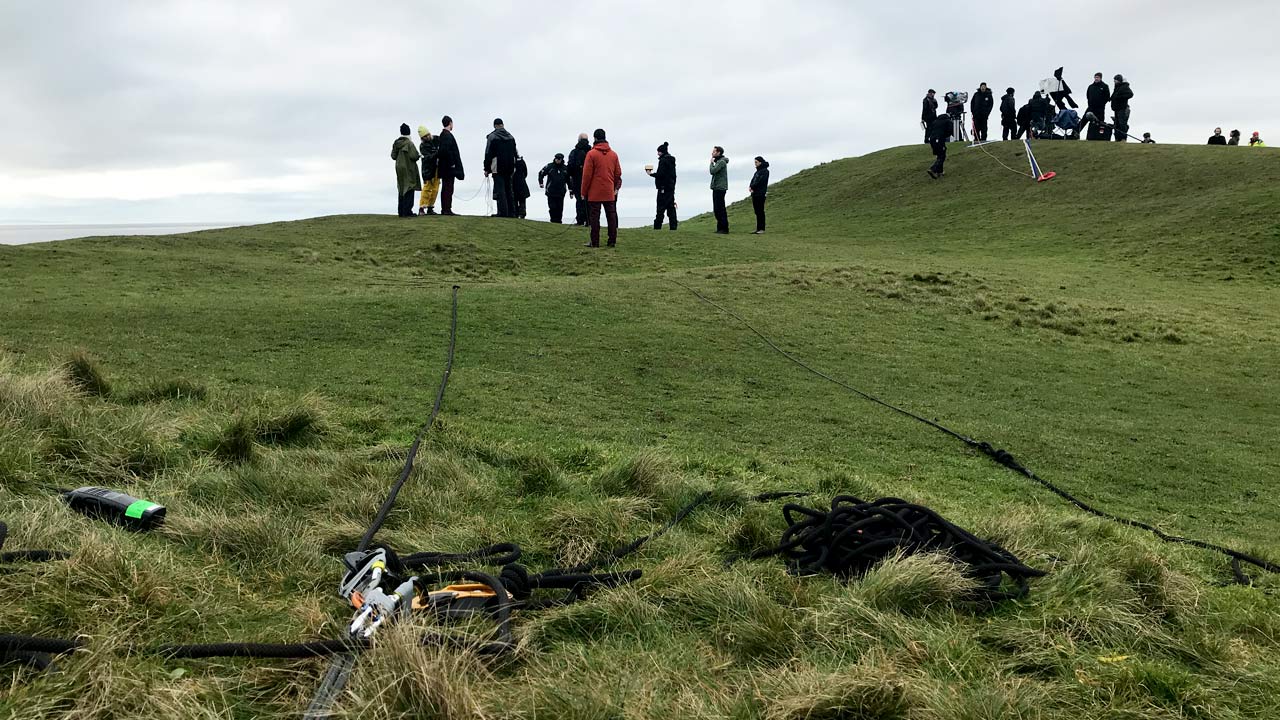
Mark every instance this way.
x=1116 y=329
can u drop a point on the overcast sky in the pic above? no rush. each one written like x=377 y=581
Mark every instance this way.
x=249 y=111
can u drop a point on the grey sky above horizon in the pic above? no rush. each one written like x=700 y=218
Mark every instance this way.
x=236 y=111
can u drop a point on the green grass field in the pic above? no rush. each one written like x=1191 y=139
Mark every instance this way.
x=1116 y=329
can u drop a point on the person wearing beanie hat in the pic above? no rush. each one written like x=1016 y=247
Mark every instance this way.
x=981 y=106
x=1120 y=97
x=500 y=155
x=554 y=177
x=429 y=148
x=1256 y=140
x=601 y=181
x=759 y=188
x=664 y=179
x=719 y=188
x=1235 y=138
x=576 y=160
x=1008 y=116
x=408 y=181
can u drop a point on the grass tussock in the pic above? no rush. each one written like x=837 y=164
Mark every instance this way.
x=915 y=584
x=177 y=389
x=872 y=689
x=85 y=374
x=406 y=679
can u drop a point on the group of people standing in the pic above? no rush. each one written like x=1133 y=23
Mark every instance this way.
x=591 y=175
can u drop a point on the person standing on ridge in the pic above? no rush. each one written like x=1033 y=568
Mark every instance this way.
x=577 y=157
x=555 y=178
x=1217 y=138
x=759 y=188
x=408 y=181
x=719 y=188
x=1256 y=140
x=939 y=133
x=1120 y=98
x=1024 y=122
x=1235 y=138
x=1008 y=116
x=981 y=105
x=429 y=148
x=928 y=112
x=520 y=187
x=1096 y=99
x=664 y=179
x=449 y=164
x=500 y=155
x=601 y=181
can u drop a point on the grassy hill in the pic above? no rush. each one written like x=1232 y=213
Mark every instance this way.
x=1116 y=329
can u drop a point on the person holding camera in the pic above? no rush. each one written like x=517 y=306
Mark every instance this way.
x=719 y=188
x=664 y=179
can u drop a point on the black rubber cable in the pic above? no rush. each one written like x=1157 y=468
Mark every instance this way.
x=1004 y=458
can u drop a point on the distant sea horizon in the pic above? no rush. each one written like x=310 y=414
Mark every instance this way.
x=23 y=233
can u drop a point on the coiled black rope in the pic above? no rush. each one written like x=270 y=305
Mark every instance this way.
x=854 y=536
x=38 y=654
x=1006 y=459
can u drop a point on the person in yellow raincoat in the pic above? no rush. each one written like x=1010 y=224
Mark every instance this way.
x=429 y=148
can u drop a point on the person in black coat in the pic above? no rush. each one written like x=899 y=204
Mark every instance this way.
x=1008 y=116
x=500 y=155
x=578 y=158
x=939 y=133
x=1217 y=138
x=1024 y=121
x=928 y=112
x=1062 y=93
x=1097 y=97
x=1120 y=98
x=759 y=190
x=1041 y=109
x=981 y=105
x=520 y=187
x=450 y=165
x=555 y=178
x=664 y=179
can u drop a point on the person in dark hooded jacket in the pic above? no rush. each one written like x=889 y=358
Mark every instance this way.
x=940 y=132
x=981 y=105
x=759 y=189
x=1008 y=116
x=555 y=178
x=1041 y=113
x=500 y=155
x=1024 y=121
x=1120 y=98
x=578 y=157
x=664 y=179
x=520 y=187
x=449 y=165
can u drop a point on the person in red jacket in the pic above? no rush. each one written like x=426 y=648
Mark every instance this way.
x=601 y=181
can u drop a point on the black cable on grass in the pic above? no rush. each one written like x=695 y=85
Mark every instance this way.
x=854 y=536
x=405 y=471
x=1003 y=457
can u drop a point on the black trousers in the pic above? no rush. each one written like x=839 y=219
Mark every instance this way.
x=406 y=205
x=722 y=215
x=666 y=209
x=555 y=208
x=757 y=202
x=1022 y=130
x=980 y=128
x=446 y=193
x=611 y=215
x=580 y=210
x=940 y=153
x=1009 y=129
x=520 y=208
x=1121 y=131
x=502 y=193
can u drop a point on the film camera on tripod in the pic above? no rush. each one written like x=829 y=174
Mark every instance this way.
x=956 y=100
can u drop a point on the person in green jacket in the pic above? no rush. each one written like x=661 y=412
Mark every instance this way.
x=719 y=188
x=408 y=179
